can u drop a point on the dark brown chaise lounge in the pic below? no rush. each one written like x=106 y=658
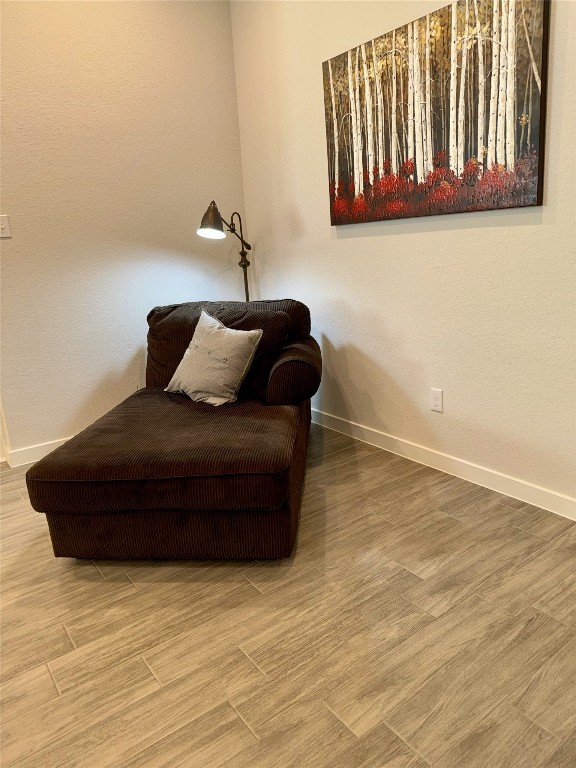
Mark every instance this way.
x=161 y=476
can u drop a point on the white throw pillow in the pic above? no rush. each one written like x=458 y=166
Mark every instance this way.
x=215 y=363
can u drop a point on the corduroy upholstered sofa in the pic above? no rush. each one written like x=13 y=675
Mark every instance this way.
x=164 y=477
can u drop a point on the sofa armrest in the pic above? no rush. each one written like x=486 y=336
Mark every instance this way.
x=296 y=374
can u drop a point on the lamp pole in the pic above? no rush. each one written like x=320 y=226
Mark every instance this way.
x=243 y=263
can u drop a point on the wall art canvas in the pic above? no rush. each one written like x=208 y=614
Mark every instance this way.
x=442 y=115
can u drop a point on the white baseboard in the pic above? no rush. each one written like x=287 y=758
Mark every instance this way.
x=488 y=478
x=32 y=453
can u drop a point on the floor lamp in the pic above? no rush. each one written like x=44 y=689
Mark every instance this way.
x=211 y=227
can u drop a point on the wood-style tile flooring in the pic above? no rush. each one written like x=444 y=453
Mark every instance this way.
x=422 y=621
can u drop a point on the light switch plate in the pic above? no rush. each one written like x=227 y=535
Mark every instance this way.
x=5 y=230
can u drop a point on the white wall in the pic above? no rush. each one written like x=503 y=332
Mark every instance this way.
x=119 y=126
x=482 y=305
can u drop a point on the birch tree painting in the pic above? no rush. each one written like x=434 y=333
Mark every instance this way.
x=442 y=115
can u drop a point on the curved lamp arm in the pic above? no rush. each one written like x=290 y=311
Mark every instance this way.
x=232 y=228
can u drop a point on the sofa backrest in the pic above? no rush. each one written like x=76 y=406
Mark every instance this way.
x=171 y=328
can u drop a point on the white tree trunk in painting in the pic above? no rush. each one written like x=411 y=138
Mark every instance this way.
x=379 y=110
x=393 y=109
x=511 y=88
x=501 y=127
x=428 y=105
x=335 y=131
x=453 y=161
x=369 y=117
x=353 y=124
x=359 y=145
x=481 y=88
x=531 y=54
x=462 y=97
x=418 y=123
x=494 y=77
x=410 y=127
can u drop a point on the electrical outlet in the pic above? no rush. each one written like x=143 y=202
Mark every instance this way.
x=436 y=400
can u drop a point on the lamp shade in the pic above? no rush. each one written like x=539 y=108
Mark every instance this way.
x=211 y=224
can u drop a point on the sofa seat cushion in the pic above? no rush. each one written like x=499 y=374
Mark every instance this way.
x=161 y=450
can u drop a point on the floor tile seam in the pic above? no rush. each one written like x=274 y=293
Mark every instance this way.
x=14 y=626
x=490 y=708
x=67 y=613
x=169 y=641
x=308 y=499
x=536 y=536
x=399 y=523
x=564 y=532
x=132 y=655
x=324 y=459
x=149 y=668
x=511 y=506
x=53 y=679
x=541 y=610
x=496 y=605
x=306 y=570
x=470 y=662
x=9 y=497
x=478 y=522
x=95 y=564
x=559 y=738
x=251 y=660
x=165 y=735
x=337 y=716
x=106 y=716
x=131 y=582
x=529 y=559
x=477 y=723
x=405 y=741
x=70 y=618
x=522 y=683
x=99 y=715
x=69 y=636
x=109 y=580
x=116 y=634
x=409 y=570
x=246 y=723
x=217 y=653
x=252 y=584
x=474 y=582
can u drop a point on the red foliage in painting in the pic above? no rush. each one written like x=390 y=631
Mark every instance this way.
x=471 y=172
x=387 y=165
x=388 y=185
x=497 y=185
x=360 y=210
x=341 y=208
x=407 y=168
x=439 y=159
x=393 y=196
x=439 y=175
x=395 y=209
x=443 y=196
